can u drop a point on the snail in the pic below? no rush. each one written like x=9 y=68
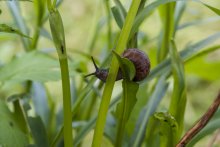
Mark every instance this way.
x=137 y=57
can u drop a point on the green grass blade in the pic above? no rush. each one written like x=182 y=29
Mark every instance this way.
x=147 y=111
x=179 y=11
x=178 y=99
x=122 y=41
x=7 y=29
x=15 y=11
x=91 y=124
x=215 y=10
x=167 y=17
x=119 y=18
x=125 y=107
x=199 y=22
x=188 y=53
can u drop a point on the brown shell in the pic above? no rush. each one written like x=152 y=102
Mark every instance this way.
x=140 y=61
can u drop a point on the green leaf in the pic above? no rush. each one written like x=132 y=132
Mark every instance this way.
x=7 y=29
x=19 y=110
x=198 y=22
x=38 y=131
x=118 y=16
x=146 y=12
x=125 y=107
x=10 y=133
x=207 y=68
x=126 y=66
x=19 y=20
x=189 y=52
x=168 y=129
x=40 y=8
x=41 y=101
x=91 y=124
x=167 y=17
x=178 y=99
x=179 y=11
x=129 y=99
x=217 y=11
x=152 y=6
x=34 y=66
x=57 y=30
x=148 y=110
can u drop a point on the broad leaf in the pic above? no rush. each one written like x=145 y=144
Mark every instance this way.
x=208 y=69
x=126 y=66
x=10 y=133
x=34 y=66
x=168 y=129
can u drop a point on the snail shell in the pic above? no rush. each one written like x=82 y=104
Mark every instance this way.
x=137 y=57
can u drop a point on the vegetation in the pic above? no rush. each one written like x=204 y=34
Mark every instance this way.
x=45 y=52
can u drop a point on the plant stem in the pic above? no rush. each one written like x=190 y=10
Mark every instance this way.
x=123 y=38
x=107 y=7
x=68 y=139
x=200 y=124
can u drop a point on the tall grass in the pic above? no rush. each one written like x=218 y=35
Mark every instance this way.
x=150 y=113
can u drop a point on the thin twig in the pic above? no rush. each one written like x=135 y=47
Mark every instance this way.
x=200 y=124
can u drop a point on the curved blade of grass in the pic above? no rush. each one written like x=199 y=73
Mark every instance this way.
x=217 y=11
x=152 y=6
x=147 y=111
x=7 y=29
x=119 y=18
x=178 y=99
x=40 y=9
x=167 y=17
x=199 y=22
x=146 y=12
x=180 y=8
x=123 y=39
x=188 y=53
x=14 y=8
x=121 y=8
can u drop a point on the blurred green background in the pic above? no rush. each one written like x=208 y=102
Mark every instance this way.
x=80 y=18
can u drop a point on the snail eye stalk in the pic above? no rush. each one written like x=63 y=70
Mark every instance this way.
x=96 y=68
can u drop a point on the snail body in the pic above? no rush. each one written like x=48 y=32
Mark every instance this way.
x=137 y=57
